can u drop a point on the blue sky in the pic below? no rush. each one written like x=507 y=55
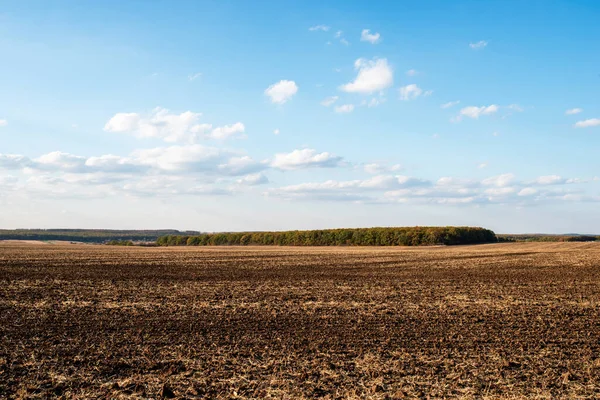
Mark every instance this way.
x=234 y=115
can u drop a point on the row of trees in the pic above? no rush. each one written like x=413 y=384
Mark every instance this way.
x=409 y=236
x=89 y=235
x=547 y=238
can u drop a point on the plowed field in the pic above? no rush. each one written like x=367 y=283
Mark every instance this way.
x=496 y=321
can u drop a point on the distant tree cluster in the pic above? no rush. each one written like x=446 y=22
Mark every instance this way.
x=547 y=238
x=408 y=236
x=89 y=235
x=120 y=243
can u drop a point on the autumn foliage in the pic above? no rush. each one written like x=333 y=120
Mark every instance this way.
x=405 y=236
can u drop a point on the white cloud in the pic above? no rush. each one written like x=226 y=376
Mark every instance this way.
x=344 y=42
x=499 y=181
x=482 y=165
x=376 y=168
x=241 y=165
x=450 y=104
x=323 y=28
x=344 y=108
x=305 y=158
x=3 y=122
x=14 y=161
x=588 y=123
x=253 y=180
x=373 y=75
x=329 y=101
x=338 y=34
x=60 y=161
x=194 y=158
x=193 y=77
x=478 y=45
x=367 y=36
x=227 y=131
x=375 y=183
x=550 y=180
x=528 y=191
x=276 y=132
x=162 y=124
x=412 y=72
x=281 y=91
x=573 y=111
x=500 y=191
x=475 y=112
x=410 y=92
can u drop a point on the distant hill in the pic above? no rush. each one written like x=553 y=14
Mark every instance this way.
x=90 y=235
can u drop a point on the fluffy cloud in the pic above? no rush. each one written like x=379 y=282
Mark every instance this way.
x=227 y=131
x=14 y=161
x=367 y=36
x=305 y=158
x=162 y=124
x=253 y=180
x=502 y=189
x=58 y=160
x=573 y=111
x=329 y=101
x=241 y=165
x=412 y=72
x=478 y=45
x=282 y=91
x=3 y=122
x=344 y=108
x=475 y=112
x=588 y=123
x=499 y=181
x=527 y=192
x=373 y=75
x=410 y=92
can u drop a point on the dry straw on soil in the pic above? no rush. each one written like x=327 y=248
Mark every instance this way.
x=489 y=321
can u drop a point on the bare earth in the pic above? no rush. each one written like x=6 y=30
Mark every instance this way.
x=495 y=321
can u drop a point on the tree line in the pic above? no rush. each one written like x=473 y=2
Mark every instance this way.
x=404 y=236
x=547 y=238
x=89 y=235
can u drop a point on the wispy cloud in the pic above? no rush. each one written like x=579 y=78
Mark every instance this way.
x=450 y=104
x=193 y=77
x=573 y=111
x=475 y=112
x=329 y=101
x=478 y=45
x=412 y=91
x=323 y=28
x=344 y=108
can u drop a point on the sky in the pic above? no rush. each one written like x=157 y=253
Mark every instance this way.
x=271 y=115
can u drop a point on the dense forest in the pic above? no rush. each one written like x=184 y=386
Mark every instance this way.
x=407 y=236
x=89 y=235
